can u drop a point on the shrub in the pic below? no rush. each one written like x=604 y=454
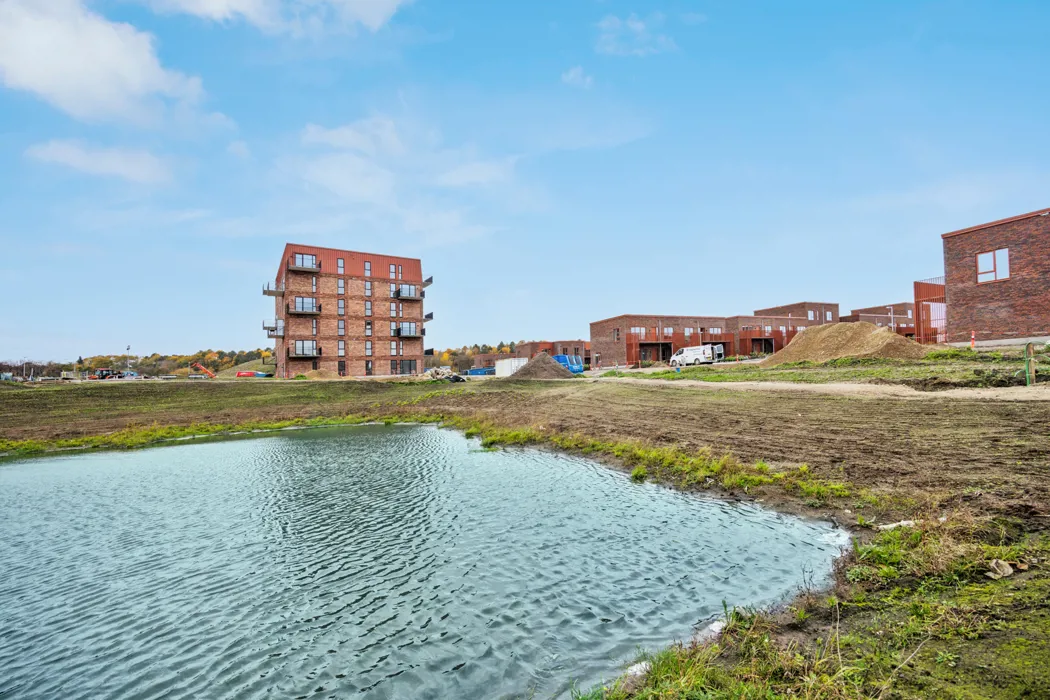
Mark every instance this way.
x=639 y=473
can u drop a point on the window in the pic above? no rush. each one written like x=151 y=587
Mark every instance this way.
x=827 y=316
x=368 y=329
x=393 y=367
x=393 y=347
x=616 y=334
x=769 y=329
x=993 y=265
x=715 y=331
x=638 y=331
x=400 y=347
x=302 y=260
x=909 y=313
x=305 y=348
x=368 y=289
x=342 y=327
x=668 y=331
x=306 y=304
x=314 y=327
x=339 y=266
x=408 y=366
x=342 y=368
x=368 y=308
x=783 y=329
x=393 y=328
x=393 y=271
x=811 y=316
x=342 y=348
x=368 y=368
x=341 y=284
x=393 y=289
x=368 y=348
x=688 y=332
x=800 y=328
x=399 y=272
x=341 y=303
x=393 y=309
x=368 y=268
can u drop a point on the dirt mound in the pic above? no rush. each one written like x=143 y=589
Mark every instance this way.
x=322 y=374
x=835 y=340
x=542 y=367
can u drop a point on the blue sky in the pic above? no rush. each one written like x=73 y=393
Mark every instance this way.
x=552 y=163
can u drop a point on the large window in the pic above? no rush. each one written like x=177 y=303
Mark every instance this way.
x=393 y=367
x=342 y=348
x=638 y=331
x=993 y=265
x=313 y=326
x=306 y=347
x=339 y=266
x=715 y=331
x=409 y=328
x=368 y=329
x=393 y=328
x=393 y=271
x=302 y=260
x=342 y=327
x=368 y=289
x=393 y=347
x=368 y=348
x=811 y=315
x=341 y=284
x=408 y=366
x=306 y=304
x=827 y=316
x=341 y=303
x=368 y=268
x=368 y=368
x=368 y=308
x=393 y=309
x=393 y=289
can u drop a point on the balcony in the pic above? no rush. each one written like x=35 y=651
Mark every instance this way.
x=274 y=329
x=409 y=332
x=314 y=310
x=276 y=290
x=305 y=354
x=428 y=281
x=301 y=265
x=429 y=316
x=408 y=292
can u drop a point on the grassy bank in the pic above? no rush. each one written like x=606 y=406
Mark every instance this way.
x=912 y=613
x=940 y=369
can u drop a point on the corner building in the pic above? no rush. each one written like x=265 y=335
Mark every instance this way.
x=349 y=313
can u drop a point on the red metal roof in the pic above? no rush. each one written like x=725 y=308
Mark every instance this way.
x=1019 y=217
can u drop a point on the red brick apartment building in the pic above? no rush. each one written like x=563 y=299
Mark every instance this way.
x=997 y=280
x=352 y=313
x=900 y=317
x=632 y=338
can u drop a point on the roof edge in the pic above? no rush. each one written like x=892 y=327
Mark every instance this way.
x=1010 y=219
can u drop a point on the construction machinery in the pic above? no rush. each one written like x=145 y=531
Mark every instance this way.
x=204 y=370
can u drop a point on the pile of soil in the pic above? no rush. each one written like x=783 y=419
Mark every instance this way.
x=322 y=374
x=543 y=366
x=835 y=340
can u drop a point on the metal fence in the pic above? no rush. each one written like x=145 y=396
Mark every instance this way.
x=931 y=311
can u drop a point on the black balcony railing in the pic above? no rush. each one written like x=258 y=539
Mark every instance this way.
x=273 y=290
x=428 y=281
x=274 y=329
x=306 y=309
x=429 y=316
x=303 y=353
x=303 y=265
x=410 y=332
x=409 y=293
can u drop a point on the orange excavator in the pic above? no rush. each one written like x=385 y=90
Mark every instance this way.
x=203 y=369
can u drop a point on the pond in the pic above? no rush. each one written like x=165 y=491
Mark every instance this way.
x=374 y=561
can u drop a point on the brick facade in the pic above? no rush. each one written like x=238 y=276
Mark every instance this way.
x=902 y=318
x=1017 y=306
x=813 y=312
x=322 y=284
x=609 y=336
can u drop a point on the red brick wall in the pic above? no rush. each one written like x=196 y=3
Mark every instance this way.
x=615 y=352
x=800 y=311
x=1017 y=307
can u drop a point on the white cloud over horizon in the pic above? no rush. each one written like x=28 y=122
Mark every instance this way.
x=291 y=16
x=133 y=165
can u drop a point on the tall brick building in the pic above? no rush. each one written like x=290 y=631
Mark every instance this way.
x=997 y=279
x=355 y=314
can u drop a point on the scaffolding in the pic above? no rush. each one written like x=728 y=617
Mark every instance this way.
x=931 y=311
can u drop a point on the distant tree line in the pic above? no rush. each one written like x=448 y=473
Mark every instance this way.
x=154 y=364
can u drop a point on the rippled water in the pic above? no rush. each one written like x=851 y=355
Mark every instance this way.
x=377 y=562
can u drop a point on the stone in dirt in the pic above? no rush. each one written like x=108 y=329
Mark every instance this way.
x=836 y=340
x=543 y=366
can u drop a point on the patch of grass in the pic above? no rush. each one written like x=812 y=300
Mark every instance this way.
x=639 y=473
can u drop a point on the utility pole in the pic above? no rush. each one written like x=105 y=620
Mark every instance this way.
x=893 y=322
x=129 y=358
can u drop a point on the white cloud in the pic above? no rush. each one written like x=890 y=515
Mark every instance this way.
x=86 y=65
x=133 y=165
x=239 y=149
x=352 y=177
x=577 y=78
x=477 y=173
x=633 y=36
x=371 y=136
x=296 y=16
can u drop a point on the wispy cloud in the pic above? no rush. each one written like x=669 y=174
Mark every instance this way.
x=633 y=36
x=132 y=165
x=291 y=16
x=477 y=173
x=374 y=135
x=85 y=65
x=577 y=78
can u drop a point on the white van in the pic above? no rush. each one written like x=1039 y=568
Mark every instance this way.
x=698 y=355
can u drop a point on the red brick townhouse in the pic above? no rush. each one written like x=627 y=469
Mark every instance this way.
x=899 y=316
x=633 y=338
x=355 y=314
x=997 y=280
